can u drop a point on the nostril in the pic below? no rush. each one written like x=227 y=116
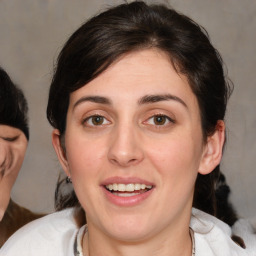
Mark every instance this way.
x=133 y=160
x=124 y=161
x=125 y=152
x=114 y=161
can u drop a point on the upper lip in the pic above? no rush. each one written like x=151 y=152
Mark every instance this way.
x=126 y=180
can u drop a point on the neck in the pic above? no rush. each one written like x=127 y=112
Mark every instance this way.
x=168 y=243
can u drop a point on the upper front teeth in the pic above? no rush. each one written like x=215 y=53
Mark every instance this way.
x=129 y=187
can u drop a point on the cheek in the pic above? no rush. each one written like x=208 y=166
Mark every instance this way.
x=176 y=156
x=85 y=158
x=86 y=162
x=17 y=162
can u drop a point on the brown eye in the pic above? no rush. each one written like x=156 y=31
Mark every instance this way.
x=160 y=120
x=97 y=120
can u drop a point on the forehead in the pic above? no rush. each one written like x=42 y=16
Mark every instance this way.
x=147 y=71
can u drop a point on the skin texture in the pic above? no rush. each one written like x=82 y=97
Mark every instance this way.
x=13 y=145
x=131 y=142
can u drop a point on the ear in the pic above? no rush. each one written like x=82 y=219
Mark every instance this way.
x=213 y=150
x=60 y=151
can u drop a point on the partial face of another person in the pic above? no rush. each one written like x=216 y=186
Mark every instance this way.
x=134 y=147
x=13 y=145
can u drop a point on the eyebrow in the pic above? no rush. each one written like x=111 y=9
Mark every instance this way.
x=160 y=97
x=94 y=99
x=147 y=99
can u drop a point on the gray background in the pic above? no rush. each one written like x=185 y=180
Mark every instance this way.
x=32 y=33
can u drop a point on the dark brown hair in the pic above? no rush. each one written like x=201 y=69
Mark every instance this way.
x=13 y=105
x=131 y=27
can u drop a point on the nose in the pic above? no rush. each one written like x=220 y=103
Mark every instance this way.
x=125 y=148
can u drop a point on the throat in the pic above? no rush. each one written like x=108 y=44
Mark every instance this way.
x=87 y=246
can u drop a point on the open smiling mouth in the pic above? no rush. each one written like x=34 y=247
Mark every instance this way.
x=127 y=190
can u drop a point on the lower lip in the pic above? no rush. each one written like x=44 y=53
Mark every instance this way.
x=127 y=201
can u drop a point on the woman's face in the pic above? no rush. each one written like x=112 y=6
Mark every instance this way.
x=134 y=147
x=13 y=145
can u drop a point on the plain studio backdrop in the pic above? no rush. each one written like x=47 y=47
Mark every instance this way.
x=32 y=32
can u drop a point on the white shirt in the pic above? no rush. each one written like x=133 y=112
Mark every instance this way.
x=55 y=235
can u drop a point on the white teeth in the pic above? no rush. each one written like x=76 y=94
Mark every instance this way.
x=114 y=187
x=127 y=187
x=125 y=194
x=121 y=187
x=137 y=186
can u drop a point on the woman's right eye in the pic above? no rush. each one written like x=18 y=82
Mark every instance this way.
x=95 y=120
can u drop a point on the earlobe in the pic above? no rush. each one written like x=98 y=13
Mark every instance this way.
x=60 y=151
x=213 y=150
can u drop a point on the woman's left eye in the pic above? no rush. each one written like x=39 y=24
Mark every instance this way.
x=159 y=120
x=95 y=120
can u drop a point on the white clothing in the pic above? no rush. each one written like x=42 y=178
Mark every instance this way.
x=55 y=235
x=246 y=228
x=52 y=235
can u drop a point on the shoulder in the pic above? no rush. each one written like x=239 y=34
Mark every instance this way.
x=213 y=236
x=53 y=234
x=246 y=228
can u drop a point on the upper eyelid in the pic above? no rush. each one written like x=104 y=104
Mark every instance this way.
x=160 y=112
x=88 y=112
x=93 y=115
x=10 y=139
x=167 y=116
x=84 y=120
x=111 y=115
x=172 y=120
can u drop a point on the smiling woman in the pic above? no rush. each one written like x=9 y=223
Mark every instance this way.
x=137 y=103
x=137 y=143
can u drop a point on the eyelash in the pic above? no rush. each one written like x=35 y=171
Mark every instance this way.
x=88 y=121
x=167 y=120
x=11 y=139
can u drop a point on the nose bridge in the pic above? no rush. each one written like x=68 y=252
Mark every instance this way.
x=125 y=148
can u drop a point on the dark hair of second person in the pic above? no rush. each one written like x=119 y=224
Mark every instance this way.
x=13 y=105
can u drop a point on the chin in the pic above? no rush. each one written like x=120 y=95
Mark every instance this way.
x=130 y=228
